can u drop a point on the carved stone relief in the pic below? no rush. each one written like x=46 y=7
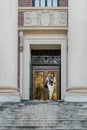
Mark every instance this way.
x=63 y=18
x=45 y=18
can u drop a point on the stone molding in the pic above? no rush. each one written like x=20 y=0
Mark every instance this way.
x=80 y=89
x=13 y=91
x=13 y=88
x=30 y=42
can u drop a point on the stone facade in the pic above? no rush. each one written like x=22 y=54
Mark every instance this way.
x=42 y=28
x=50 y=19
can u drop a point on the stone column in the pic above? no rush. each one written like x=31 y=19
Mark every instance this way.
x=77 y=51
x=8 y=50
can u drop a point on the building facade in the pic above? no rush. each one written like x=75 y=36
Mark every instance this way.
x=39 y=37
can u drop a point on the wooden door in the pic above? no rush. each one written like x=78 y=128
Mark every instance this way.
x=40 y=74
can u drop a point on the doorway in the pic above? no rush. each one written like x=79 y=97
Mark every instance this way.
x=33 y=42
x=43 y=63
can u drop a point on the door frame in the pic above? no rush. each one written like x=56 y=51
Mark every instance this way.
x=33 y=40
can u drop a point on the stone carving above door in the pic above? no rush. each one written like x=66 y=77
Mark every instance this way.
x=45 y=18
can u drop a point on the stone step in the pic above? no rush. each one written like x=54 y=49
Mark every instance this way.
x=2 y=128
x=31 y=124
x=59 y=118
x=44 y=120
x=35 y=115
x=66 y=123
x=42 y=128
x=41 y=115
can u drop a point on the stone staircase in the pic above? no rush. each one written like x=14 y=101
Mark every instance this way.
x=43 y=115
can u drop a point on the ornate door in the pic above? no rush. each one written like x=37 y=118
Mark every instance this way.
x=43 y=63
x=40 y=74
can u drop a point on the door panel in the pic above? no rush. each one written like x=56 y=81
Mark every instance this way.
x=56 y=85
x=40 y=74
x=38 y=84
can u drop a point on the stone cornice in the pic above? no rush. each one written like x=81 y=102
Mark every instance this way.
x=43 y=28
x=42 y=8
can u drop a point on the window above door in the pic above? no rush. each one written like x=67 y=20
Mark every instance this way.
x=46 y=3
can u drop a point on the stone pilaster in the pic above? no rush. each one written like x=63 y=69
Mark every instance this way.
x=8 y=51
x=77 y=52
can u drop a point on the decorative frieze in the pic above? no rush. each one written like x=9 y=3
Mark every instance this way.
x=45 y=18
